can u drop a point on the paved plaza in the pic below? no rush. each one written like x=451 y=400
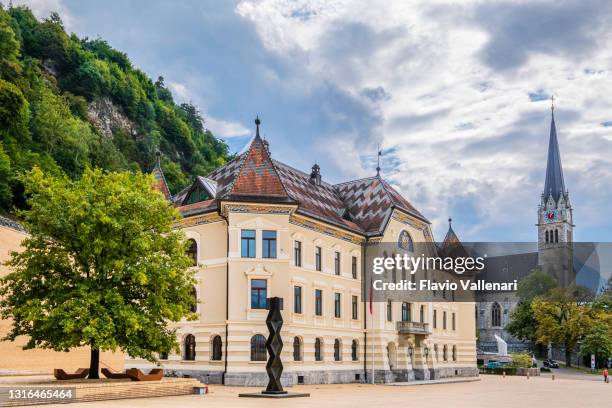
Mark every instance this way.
x=492 y=391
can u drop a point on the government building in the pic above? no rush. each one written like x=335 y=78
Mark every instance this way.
x=259 y=228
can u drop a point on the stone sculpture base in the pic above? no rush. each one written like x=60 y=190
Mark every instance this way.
x=284 y=394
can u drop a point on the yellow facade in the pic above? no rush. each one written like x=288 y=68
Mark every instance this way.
x=224 y=280
x=16 y=360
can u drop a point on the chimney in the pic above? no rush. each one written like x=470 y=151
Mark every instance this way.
x=315 y=175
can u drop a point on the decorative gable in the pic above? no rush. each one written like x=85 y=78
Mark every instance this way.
x=258 y=176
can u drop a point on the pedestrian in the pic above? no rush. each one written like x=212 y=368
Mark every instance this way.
x=605 y=374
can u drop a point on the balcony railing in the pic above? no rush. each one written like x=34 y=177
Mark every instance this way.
x=413 y=328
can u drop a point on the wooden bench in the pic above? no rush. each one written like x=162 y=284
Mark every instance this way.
x=61 y=375
x=135 y=374
x=115 y=376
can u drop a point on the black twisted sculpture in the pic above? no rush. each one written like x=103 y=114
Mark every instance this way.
x=274 y=345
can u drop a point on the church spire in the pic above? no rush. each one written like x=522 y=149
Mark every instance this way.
x=554 y=183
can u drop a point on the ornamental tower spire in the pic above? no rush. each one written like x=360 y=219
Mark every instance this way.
x=555 y=226
x=554 y=184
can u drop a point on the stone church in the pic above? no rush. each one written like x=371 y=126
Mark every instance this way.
x=555 y=255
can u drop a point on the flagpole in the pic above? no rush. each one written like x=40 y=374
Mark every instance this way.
x=372 y=326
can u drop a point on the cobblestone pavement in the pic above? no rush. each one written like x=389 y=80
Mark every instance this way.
x=492 y=391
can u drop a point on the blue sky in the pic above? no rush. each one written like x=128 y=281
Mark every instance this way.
x=455 y=92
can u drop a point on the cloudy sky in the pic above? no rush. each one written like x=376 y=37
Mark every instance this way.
x=456 y=93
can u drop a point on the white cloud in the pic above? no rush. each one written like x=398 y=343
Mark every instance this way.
x=220 y=128
x=180 y=91
x=43 y=8
x=225 y=129
x=458 y=116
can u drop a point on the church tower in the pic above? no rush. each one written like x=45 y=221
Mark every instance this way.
x=555 y=227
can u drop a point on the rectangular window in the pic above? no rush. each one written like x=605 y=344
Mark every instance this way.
x=354 y=267
x=318 y=302
x=297 y=253
x=248 y=243
x=337 y=305
x=259 y=293
x=443 y=320
x=453 y=322
x=435 y=319
x=297 y=299
x=337 y=263
x=405 y=312
x=354 y=305
x=318 y=259
x=389 y=311
x=268 y=244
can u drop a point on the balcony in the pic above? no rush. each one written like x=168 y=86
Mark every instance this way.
x=413 y=328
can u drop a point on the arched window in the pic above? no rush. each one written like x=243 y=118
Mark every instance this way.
x=496 y=315
x=546 y=233
x=189 y=348
x=217 y=346
x=445 y=353
x=297 y=349
x=422 y=314
x=318 y=353
x=337 y=350
x=454 y=353
x=354 y=350
x=436 y=352
x=194 y=300
x=557 y=236
x=192 y=252
x=392 y=355
x=258 y=348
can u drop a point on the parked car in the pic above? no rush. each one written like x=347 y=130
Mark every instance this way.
x=495 y=364
x=550 y=363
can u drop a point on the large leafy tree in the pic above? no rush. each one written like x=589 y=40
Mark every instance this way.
x=598 y=341
x=563 y=317
x=103 y=267
x=522 y=322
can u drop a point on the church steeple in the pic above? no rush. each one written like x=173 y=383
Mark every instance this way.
x=554 y=183
x=555 y=226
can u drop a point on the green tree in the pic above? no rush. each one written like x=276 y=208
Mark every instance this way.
x=537 y=283
x=5 y=179
x=14 y=113
x=562 y=317
x=598 y=341
x=103 y=267
x=9 y=47
x=522 y=322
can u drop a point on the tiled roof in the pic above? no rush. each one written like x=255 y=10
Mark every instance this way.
x=371 y=202
x=362 y=206
x=257 y=177
x=160 y=182
x=320 y=201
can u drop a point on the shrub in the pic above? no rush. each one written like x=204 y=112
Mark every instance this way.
x=521 y=360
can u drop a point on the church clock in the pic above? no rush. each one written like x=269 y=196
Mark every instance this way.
x=551 y=216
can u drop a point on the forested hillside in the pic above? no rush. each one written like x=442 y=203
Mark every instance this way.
x=69 y=102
